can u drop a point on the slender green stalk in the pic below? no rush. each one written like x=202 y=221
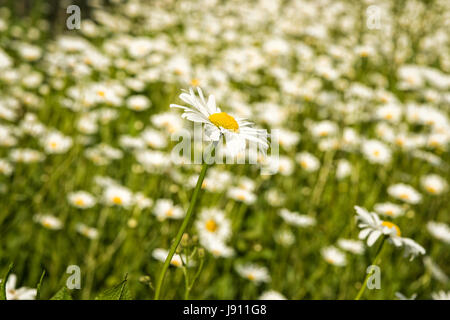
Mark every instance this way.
x=374 y=262
x=183 y=226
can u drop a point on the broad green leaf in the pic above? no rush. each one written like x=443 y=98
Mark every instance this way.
x=118 y=292
x=3 y=283
x=62 y=294
x=38 y=288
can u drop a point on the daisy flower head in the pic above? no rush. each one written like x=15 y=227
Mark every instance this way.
x=376 y=152
x=253 y=272
x=165 y=209
x=48 y=221
x=81 y=199
x=242 y=195
x=13 y=293
x=334 y=256
x=216 y=247
x=237 y=131
x=434 y=184
x=177 y=260
x=405 y=193
x=373 y=227
x=55 y=142
x=353 y=246
x=271 y=295
x=441 y=295
x=307 y=161
x=86 y=231
x=389 y=209
x=439 y=230
x=115 y=195
x=296 y=219
x=212 y=223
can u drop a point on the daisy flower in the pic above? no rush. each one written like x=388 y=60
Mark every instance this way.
x=296 y=219
x=334 y=256
x=217 y=247
x=48 y=221
x=439 y=230
x=81 y=199
x=441 y=295
x=23 y=293
x=86 y=231
x=271 y=295
x=242 y=195
x=165 y=209
x=376 y=152
x=212 y=223
x=343 y=169
x=389 y=209
x=116 y=195
x=405 y=193
x=434 y=184
x=138 y=103
x=55 y=142
x=161 y=255
x=237 y=131
x=373 y=227
x=253 y=273
x=307 y=161
x=353 y=246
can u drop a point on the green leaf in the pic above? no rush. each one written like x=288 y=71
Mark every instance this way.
x=118 y=292
x=3 y=283
x=38 y=288
x=62 y=294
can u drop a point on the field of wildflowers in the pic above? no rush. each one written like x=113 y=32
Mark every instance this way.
x=344 y=196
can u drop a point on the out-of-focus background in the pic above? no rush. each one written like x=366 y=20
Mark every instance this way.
x=359 y=91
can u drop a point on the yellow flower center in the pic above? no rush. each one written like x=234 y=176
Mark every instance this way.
x=211 y=225
x=53 y=145
x=391 y=225
x=195 y=82
x=101 y=93
x=169 y=213
x=430 y=189
x=79 y=202
x=251 y=277
x=224 y=120
x=404 y=196
x=117 y=200
x=176 y=262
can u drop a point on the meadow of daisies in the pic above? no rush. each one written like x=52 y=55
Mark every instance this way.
x=358 y=93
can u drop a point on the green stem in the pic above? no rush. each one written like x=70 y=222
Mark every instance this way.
x=374 y=262
x=183 y=226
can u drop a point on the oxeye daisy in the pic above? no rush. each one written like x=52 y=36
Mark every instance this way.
x=161 y=255
x=13 y=293
x=405 y=193
x=373 y=227
x=237 y=131
x=353 y=246
x=439 y=230
x=434 y=184
x=165 y=209
x=271 y=295
x=48 y=221
x=296 y=219
x=81 y=199
x=334 y=256
x=212 y=223
x=389 y=209
x=253 y=273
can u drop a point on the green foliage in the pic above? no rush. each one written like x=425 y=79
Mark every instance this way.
x=62 y=294
x=118 y=292
x=3 y=283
